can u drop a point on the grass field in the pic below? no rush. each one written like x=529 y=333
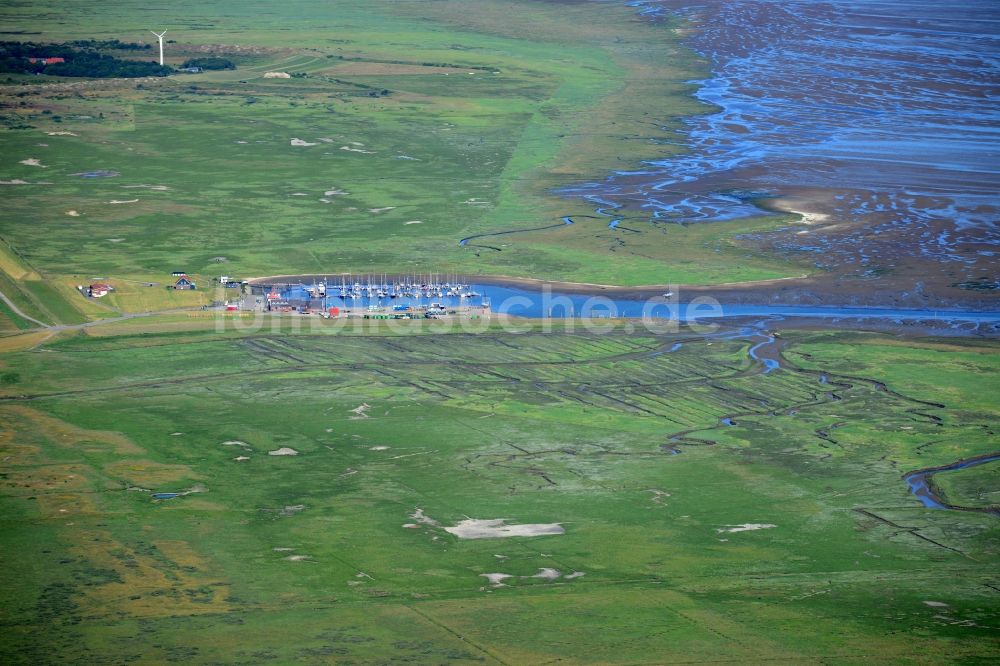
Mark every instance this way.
x=173 y=490
x=787 y=535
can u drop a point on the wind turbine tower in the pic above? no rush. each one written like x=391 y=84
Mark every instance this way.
x=160 y=36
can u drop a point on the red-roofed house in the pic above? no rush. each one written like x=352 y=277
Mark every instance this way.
x=47 y=61
x=98 y=289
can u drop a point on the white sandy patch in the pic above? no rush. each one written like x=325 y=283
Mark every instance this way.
x=936 y=604
x=379 y=448
x=300 y=142
x=33 y=161
x=357 y=150
x=115 y=240
x=658 y=496
x=298 y=558
x=746 y=527
x=547 y=574
x=360 y=412
x=123 y=201
x=158 y=188
x=243 y=142
x=355 y=143
x=334 y=192
x=283 y=451
x=299 y=194
x=236 y=442
x=811 y=218
x=292 y=509
x=176 y=434
x=794 y=206
x=411 y=526
x=496 y=579
x=62 y=133
x=73 y=213
x=414 y=222
x=16 y=181
x=325 y=139
x=277 y=75
x=380 y=210
x=241 y=458
x=497 y=528
x=407 y=157
x=419 y=516
x=575 y=574
x=410 y=455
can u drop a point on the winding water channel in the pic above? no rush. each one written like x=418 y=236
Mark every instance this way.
x=921 y=485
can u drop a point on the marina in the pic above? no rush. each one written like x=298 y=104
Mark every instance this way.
x=344 y=294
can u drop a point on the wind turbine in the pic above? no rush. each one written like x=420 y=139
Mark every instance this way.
x=160 y=36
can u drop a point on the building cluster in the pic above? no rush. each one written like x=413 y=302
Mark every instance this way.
x=98 y=289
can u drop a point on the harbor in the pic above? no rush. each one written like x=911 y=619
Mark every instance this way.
x=383 y=296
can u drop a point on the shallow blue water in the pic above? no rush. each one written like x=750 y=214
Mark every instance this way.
x=163 y=496
x=770 y=364
x=918 y=481
x=525 y=303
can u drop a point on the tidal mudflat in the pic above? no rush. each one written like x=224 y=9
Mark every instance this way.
x=873 y=121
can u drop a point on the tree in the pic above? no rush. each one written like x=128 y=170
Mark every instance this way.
x=209 y=63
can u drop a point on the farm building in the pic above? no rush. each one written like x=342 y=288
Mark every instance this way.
x=99 y=289
x=184 y=282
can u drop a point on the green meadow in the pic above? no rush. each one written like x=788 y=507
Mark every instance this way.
x=182 y=485
x=417 y=124
x=788 y=535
